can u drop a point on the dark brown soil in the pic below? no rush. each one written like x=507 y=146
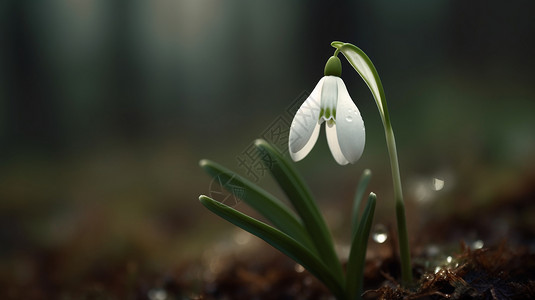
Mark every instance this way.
x=503 y=269
x=489 y=273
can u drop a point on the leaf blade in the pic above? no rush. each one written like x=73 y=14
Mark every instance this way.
x=278 y=240
x=260 y=200
x=361 y=188
x=301 y=198
x=364 y=66
x=357 y=255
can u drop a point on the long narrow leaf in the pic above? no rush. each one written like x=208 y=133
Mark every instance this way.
x=301 y=198
x=280 y=241
x=357 y=255
x=263 y=202
x=361 y=188
x=364 y=66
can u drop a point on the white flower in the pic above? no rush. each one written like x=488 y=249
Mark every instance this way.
x=329 y=102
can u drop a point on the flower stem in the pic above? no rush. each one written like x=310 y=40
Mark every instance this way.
x=336 y=52
x=364 y=66
x=406 y=271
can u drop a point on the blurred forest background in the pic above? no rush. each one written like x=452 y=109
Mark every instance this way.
x=107 y=106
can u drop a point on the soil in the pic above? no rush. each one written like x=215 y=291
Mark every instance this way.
x=501 y=269
x=489 y=273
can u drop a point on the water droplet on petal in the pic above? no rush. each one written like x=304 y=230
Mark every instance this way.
x=349 y=118
x=380 y=235
x=353 y=111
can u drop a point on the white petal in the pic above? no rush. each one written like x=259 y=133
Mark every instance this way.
x=332 y=140
x=349 y=125
x=299 y=155
x=305 y=126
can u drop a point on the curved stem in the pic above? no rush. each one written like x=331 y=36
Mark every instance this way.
x=365 y=68
x=336 y=52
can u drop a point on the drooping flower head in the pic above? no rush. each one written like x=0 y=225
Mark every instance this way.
x=329 y=102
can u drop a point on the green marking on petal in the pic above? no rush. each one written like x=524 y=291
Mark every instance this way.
x=329 y=97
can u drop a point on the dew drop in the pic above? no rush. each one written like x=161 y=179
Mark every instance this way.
x=242 y=237
x=307 y=281
x=349 y=118
x=157 y=294
x=478 y=244
x=438 y=184
x=353 y=111
x=299 y=268
x=380 y=235
x=433 y=250
x=449 y=259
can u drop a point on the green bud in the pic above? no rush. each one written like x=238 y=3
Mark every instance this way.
x=333 y=67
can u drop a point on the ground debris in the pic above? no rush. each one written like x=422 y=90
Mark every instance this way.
x=491 y=273
x=275 y=278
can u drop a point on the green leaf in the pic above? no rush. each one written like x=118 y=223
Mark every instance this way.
x=361 y=188
x=357 y=255
x=364 y=66
x=280 y=241
x=303 y=202
x=263 y=202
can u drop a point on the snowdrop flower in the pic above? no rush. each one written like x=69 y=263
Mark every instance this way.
x=329 y=102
